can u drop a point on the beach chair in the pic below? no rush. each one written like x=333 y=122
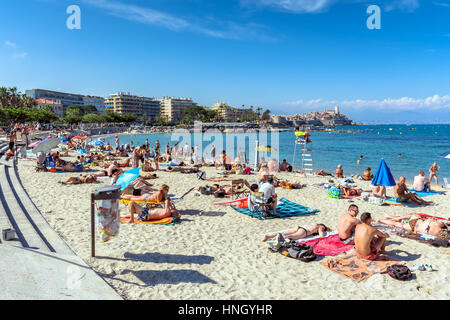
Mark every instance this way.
x=447 y=183
x=239 y=189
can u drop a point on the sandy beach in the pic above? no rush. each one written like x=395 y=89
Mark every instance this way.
x=217 y=253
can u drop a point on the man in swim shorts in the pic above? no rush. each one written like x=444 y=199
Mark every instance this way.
x=347 y=223
x=403 y=195
x=144 y=214
x=369 y=242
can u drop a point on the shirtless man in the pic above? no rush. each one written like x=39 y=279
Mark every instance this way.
x=403 y=195
x=158 y=196
x=369 y=242
x=347 y=223
x=301 y=232
x=145 y=214
x=12 y=137
x=415 y=223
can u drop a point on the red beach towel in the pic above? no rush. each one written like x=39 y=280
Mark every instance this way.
x=328 y=246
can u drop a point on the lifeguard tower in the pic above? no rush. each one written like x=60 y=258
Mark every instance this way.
x=307 y=156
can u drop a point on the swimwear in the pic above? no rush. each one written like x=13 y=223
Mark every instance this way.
x=143 y=216
x=348 y=240
x=371 y=256
x=401 y=199
x=306 y=231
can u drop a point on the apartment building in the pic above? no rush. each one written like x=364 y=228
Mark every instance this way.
x=67 y=99
x=172 y=109
x=56 y=105
x=126 y=103
x=226 y=112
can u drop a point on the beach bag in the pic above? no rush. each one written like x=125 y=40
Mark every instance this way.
x=205 y=190
x=376 y=200
x=335 y=193
x=301 y=252
x=399 y=272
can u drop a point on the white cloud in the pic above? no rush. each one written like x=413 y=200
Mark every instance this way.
x=315 y=6
x=409 y=5
x=145 y=15
x=434 y=102
x=296 y=6
x=441 y=4
x=20 y=55
x=10 y=44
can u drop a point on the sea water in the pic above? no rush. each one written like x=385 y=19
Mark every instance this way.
x=419 y=146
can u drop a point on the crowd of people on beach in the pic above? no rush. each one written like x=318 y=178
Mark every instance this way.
x=146 y=203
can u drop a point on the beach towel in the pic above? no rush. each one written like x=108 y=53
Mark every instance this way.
x=328 y=246
x=166 y=221
x=357 y=269
x=285 y=208
x=425 y=194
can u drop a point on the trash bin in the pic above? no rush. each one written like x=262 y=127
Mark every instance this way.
x=106 y=199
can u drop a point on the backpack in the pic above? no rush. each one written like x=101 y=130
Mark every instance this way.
x=301 y=252
x=399 y=272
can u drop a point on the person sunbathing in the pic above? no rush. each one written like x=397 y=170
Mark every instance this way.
x=403 y=195
x=339 y=172
x=301 y=232
x=323 y=173
x=350 y=192
x=144 y=214
x=158 y=196
x=347 y=224
x=78 y=180
x=369 y=242
x=125 y=163
x=367 y=176
x=141 y=183
x=379 y=192
x=415 y=223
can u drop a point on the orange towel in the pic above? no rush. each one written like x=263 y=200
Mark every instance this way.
x=358 y=269
x=126 y=219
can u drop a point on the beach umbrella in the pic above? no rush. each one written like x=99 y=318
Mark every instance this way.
x=64 y=140
x=96 y=143
x=383 y=176
x=127 y=177
x=446 y=155
x=266 y=149
x=46 y=145
x=78 y=137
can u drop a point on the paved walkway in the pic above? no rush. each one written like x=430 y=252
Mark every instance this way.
x=38 y=264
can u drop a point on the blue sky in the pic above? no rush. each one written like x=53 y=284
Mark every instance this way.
x=286 y=55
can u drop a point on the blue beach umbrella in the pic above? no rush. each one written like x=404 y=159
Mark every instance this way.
x=383 y=176
x=127 y=177
x=96 y=143
x=64 y=140
x=446 y=155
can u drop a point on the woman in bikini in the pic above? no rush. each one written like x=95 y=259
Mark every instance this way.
x=301 y=232
x=433 y=169
x=418 y=224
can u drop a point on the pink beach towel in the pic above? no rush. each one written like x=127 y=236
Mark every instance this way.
x=328 y=246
